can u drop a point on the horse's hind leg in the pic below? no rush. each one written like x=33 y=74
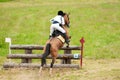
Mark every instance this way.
x=43 y=61
x=52 y=63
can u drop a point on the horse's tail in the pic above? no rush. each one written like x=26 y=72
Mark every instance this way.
x=46 y=53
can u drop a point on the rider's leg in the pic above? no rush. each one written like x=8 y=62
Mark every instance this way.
x=51 y=30
x=57 y=27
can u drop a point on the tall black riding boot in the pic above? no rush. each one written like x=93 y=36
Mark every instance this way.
x=65 y=37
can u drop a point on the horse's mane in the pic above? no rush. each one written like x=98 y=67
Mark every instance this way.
x=64 y=14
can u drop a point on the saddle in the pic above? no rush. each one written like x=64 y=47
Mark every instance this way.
x=56 y=33
x=59 y=35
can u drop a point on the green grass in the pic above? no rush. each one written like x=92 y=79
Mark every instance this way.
x=5 y=0
x=27 y=22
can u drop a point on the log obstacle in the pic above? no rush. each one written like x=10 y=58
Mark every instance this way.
x=39 y=47
x=28 y=56
x=28 y=50
x=39 y=56
x=31 y=65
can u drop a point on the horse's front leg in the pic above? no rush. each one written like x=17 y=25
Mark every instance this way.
x=51 y=65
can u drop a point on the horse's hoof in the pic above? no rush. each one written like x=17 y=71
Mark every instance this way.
x=40 y=71
x=50 y=71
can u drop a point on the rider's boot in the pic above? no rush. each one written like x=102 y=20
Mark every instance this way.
x=65 y=37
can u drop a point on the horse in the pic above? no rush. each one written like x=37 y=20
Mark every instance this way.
x=54 y=44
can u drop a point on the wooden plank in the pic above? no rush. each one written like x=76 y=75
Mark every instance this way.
x=39 y=47
x=31 y=65
x=39 y=56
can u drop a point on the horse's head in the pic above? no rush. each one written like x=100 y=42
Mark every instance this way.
x=66 y=18
x=67 y=23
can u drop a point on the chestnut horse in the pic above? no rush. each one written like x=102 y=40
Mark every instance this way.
x=54 y=44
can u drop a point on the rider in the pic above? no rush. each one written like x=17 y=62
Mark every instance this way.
x=57 y=24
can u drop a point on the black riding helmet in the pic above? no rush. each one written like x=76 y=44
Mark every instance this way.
x=60 y=13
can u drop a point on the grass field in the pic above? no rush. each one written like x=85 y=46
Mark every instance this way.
x=98 y=21
x=26 y=22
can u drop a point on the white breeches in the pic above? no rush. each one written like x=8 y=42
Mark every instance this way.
x=56 y=27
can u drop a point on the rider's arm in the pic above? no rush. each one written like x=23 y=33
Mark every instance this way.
x=62 y=22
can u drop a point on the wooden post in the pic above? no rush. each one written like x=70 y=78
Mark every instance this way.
x=25 y=60
x=82 y=42
x=67 y=61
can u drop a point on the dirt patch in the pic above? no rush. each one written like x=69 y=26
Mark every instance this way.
x=101 y=69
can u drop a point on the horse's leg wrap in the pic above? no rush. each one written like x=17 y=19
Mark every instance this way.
x=50 y=71
x=51 y=65
x=40 y=70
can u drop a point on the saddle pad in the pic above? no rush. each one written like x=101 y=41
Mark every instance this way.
x=61 y=38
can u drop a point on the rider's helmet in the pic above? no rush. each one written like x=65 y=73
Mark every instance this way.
x=60 y=13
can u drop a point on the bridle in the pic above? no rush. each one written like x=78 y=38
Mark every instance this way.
x=66 y=17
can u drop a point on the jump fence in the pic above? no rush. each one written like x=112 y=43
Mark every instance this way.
x=26 y=58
